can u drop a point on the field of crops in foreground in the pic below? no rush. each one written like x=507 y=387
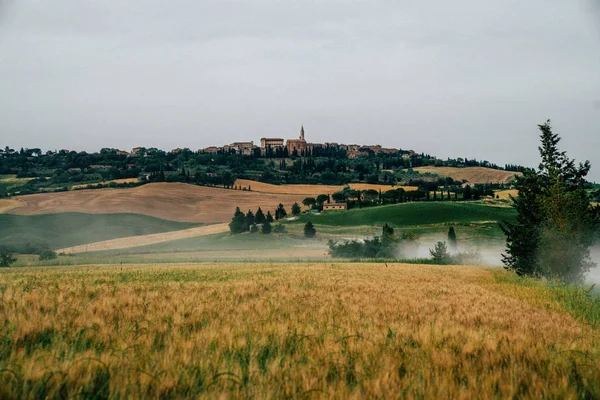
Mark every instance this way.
x=293 y=330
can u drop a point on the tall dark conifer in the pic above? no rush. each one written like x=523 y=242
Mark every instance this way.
x=556 y=223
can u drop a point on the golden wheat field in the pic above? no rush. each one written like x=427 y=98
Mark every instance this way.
x=320 y=330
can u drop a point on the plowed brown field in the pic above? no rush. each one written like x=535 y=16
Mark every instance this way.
x=172 y=201
x=471 y=174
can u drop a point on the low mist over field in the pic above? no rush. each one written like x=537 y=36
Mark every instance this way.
x=594 y=275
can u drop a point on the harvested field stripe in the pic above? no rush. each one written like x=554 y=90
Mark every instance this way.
x=134 y=241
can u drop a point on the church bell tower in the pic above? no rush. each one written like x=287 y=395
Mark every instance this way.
x=302 y=133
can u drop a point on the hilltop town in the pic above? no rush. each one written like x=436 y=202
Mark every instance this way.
x=300 y=147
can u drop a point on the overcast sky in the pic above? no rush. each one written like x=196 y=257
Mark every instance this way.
x=453 y=79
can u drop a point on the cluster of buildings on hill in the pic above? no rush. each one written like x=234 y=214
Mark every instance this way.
x=298 y=147
x=290 y=147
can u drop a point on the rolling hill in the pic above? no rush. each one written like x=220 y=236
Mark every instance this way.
x=471 y=174
x=415 y=214
x=171 y=201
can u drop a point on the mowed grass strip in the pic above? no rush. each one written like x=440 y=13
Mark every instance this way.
x=72 y=229
x=415 y=214
x=288 y=330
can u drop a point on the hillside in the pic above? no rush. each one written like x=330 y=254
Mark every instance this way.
x=415 y=214
x=429 y=221
x=471 y=174
x=172 y=201
x=71 y=229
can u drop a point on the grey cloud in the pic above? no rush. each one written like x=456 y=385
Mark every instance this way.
x=469 y=79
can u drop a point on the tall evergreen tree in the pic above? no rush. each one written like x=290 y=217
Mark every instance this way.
x=296 y=210
x=259 y=218
x=269 y=217
x=238 y=222
x=452 y=238
x=250 y=219
x=280 y=212
x=556 y=223
x=266 y=228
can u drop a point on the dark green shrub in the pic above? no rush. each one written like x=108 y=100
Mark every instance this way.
x=309 y=230
x=7 y=259
x=47 y=255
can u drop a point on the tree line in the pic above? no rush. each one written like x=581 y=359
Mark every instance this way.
x=59 y=170
x=258 y=221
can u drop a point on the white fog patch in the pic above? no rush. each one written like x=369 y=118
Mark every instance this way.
x=594 y=274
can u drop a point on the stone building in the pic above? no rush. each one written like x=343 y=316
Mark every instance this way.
x=245 y=148
x=297 y=146
x=270 y=143
x=335 y=206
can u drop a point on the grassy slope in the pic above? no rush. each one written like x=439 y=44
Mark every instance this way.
x=414 y=214
x=71 y=229
x=221 y=241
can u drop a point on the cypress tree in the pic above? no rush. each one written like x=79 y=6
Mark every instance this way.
x=259 y=218
x=556 y=223
x=238 y=222
x=266 y=228
x=309 y=230
x=452 y=238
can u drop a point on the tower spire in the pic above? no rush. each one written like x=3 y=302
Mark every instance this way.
x=302 y=133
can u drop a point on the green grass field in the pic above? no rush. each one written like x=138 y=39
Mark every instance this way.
x=414 y=214
x=71 y=229
x=217 y=242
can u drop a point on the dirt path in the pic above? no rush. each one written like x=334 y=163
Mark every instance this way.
x=134 y=241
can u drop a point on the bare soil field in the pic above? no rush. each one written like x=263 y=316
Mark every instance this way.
x=471 y=174
x=312 y=190
x=172 y=201
x=293 y=330
x=142 y=240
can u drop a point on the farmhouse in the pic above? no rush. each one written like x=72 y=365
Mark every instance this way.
x=335 y=206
